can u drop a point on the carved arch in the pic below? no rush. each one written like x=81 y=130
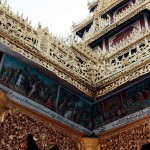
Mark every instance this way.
x=18 y=125
x=56 y=147
x=31 y=143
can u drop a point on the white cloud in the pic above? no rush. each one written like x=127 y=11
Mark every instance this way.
x=58 y=15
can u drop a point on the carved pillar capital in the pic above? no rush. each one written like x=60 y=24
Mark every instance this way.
x=90 y=143
x=3 y=103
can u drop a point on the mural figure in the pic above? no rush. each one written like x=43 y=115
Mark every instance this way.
x=19 y=79
x=122 y=104
x=74 y=108
x=15 y=77
x=28 y=82
x=37 y=87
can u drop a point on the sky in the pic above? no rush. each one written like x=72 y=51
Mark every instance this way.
x=58 y=15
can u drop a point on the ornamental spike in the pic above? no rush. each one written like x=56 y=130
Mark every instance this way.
x=30 y=22
x=26 y=20
x=22 y=16
x=5 y=2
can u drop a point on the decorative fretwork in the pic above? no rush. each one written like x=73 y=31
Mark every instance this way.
x=126 y=54
x=101 y=26
x=77 y=64
x=18 y=125
x=134 y=63
x=43 y=48
x=130 y=138
x=103 y=7
x=46 y=64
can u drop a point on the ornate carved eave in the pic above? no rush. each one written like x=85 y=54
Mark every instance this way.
x=135 y=43
x=107 y=6
x=136 y=8
x=131 y=68
x=85 y=52
x=50 y=56
x=78 y=26
x=96 y=76
x=92 y=4
x=47 y=64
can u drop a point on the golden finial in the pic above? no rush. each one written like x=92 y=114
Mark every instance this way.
x=17 y=14
x=30 y=22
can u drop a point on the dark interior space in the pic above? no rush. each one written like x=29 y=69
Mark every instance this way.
x=146 y=147
x=55 y=148
x=31 y=144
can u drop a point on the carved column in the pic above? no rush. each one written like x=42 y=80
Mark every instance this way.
x=90 y=143
x=3 y=102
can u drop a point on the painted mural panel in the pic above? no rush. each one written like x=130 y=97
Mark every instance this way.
x=28 y=82
x=37 y=87
x=74 y=108
x=122 y=104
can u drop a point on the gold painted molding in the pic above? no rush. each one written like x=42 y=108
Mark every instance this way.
x=90 y=143
x=3 y=103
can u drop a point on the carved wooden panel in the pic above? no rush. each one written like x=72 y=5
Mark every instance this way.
x=18 y=125
x=130 y=137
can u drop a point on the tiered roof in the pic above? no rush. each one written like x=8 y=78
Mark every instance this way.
x=96 y=74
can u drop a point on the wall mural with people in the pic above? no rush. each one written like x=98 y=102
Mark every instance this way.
x=26 y=81
x=75 y=108
x=30 y=83
x=122 y=104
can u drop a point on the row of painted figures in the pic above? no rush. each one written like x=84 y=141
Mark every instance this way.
x=29 y=85
x=139 y=101
x=76 y=111
x=24 y=82
x=32 y=87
